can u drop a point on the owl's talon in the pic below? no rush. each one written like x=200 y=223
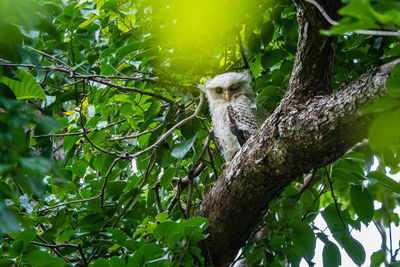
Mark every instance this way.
x=226 y=165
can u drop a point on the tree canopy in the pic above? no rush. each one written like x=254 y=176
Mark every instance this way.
x=107 y=151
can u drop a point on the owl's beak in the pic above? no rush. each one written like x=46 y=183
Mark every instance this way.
x=227 y=96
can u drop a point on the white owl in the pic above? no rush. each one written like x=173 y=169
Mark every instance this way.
x=231 y=100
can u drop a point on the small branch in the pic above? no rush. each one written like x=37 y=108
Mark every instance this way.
x=103 y=189
x=334 y=199
x=191 y=175
x=170 y=131
x=78 y=133
x=51 y=57
x=133 y=89
x=90 y=141
x=137 y=135
x=148 y=171
x=309 y=181
x=157 y=196
x=246 y=63
x=82 y=255
x=334 y=22
x=182 y=183
x=67 y=203
x=53 y=246
x=55 y=250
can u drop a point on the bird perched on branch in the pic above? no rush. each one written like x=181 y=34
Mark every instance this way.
x=232 y=107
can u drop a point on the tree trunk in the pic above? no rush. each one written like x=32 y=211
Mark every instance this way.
x=311 y=127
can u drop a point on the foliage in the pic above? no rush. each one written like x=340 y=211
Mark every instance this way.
x=104 y=157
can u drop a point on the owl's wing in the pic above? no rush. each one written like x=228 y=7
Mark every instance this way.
x=243 y=122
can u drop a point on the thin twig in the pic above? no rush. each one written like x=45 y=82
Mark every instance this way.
x=191 y=175
x=246 y=63
x=51 y=57
x=133 y=89
x=171 y=130
x=82 y=255
x=69 y=202
x=53 y=246
x=137 y=135
x=90 y=141
x=334 y=22
x=78 y=133
x=55 y=250
x=157 y=196
x=334 y=199
x=103 y=189
x=147 y=174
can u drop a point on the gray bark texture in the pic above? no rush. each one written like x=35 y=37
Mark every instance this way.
x=313 y=126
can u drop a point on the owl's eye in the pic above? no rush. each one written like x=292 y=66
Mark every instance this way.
x=219 y=90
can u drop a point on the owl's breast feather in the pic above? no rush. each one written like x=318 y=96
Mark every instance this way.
x=226 y=139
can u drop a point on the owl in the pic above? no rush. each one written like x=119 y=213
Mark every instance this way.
x=231 y=101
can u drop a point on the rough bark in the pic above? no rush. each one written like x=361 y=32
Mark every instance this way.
x=311 y=128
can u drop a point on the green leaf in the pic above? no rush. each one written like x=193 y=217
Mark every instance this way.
x=332 y=219
x=8 y=221
x=253 y=42
x=101 y=263
x=362 y=202
x=118 y=235
x=161 y=217
x=38 y=258
x=151 y=251
x=273 y=57
x=267 y=32
x=69 y=142
x=199 y=221
x=385 y=181
x=183 y=147
x=117 y=262
x=354 y=249
x=110 y=5
x=164 y=229
x=377 y=258
x=27 y=235
x=331 y=255
x=126 y=23
x=5 y=191
x=303 y=238
x=384 y=133
x=167 y=177
x=381 y=105
x=255 y=67
x=26 y=88
x=255 y=256
x=393 y=82
x=36 y=165
x=193 y=234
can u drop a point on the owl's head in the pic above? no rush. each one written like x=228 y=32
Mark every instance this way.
x=227 y=86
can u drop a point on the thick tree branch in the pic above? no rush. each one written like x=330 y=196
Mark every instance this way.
x=313 y=66
x=292 y=141
x=309 y=129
